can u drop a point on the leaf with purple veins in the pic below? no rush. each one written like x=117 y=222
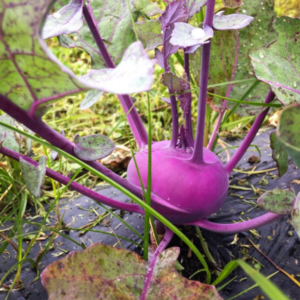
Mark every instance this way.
x=134 y=73
x=178 y=85
x=104 y=272
x=230 y=22
x=113 y=19
x=30 y=74
x=34 y=175
x=277 y=201
x=175 y=12
x=173 y=82
x=186 y=36
x=279 y=64
x=64 y=21
x=92 y=147
x=194 y=6
x=259 y=33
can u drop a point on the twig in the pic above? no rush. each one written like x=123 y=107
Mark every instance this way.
x=13 y=244
x=271 y=262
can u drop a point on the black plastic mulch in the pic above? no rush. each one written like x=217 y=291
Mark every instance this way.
x=278 y=240
x=75 y=217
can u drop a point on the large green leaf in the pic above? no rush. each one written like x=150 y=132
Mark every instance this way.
x=232 y=21
x=115 y=26
x=223 y=48
x=279 y=64
x=31 y=76
x=133 y=74
x=277 y=201
x=258 y=34
x=230 y=54
x=104 y=272
x=288 y=131
x=29 y=73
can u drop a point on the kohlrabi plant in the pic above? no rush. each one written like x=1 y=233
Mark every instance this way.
x=178 y=181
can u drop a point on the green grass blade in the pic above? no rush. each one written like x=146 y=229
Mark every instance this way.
x=271 y=290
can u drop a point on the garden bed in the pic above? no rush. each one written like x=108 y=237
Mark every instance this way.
x=278 y=240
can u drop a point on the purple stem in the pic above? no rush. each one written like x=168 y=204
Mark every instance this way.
x=250 y=136
x=161 y=247
x=76 y=186
x=220 y=118
x=59 y=141
x=188 y=115
x=175 y=127
x=217 y=126
x=133 y=117
x=237 y=227
x=197 y=157
x=174 y=110
x=56 y=139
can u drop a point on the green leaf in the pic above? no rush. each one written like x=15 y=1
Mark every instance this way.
x=279 y=64
x=114 y=23
x=288 y=131
x=190 y=37
x=92 y=147
x=90 y=99
x=104 y=272
x=149 y=32
x=66 y=20
x=279 y=154
x=232 y=21
x=26 y=60
x=277 y=201
x=296 y=215
x=173 y=82
x=34 y=175
x=12 y=140
x=258 y=34
x=134 y=73
x=147 y=8
x=33 y=76
x=194 y=6
x=223 y=47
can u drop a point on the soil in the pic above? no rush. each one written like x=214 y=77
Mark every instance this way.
x=277 y=240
